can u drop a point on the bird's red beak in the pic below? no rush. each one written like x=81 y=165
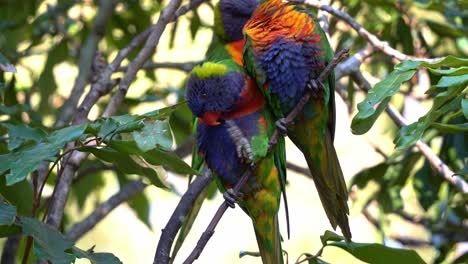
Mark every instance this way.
x=211 y=118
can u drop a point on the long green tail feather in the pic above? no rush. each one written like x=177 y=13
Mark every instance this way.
x=329 y=181
x=270 y=255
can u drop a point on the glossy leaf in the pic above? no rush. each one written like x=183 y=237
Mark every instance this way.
x=155 y=156
x=464 y=106
x=7 y=213
x=23 y=161
x=125 y=163
x=50 y=244
x=330 y=236
x=377 y=99
x=154 y=134
x=443 y=103
x=20 y=134
x=96 y=258
x=379 y=254
x=451 y=128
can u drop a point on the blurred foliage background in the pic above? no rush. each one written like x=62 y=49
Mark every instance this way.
x=396 y=196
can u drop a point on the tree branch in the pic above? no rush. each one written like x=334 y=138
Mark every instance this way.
x=125 y=193
x=373 y=40
x=169 y=14
x=87 y=54
x=10 y=248
x=272 y=142
x=183 y=66
x=169 y=232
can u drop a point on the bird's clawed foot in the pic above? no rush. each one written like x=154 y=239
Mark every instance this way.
x=243 y=149
x=314 y=86
x=282 y=126
x=231 y=197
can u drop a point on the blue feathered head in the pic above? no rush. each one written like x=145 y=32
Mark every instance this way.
x=214 y=87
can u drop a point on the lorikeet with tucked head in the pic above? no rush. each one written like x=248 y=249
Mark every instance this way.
x=221 y=95
x=285 y=49
x=230 y=17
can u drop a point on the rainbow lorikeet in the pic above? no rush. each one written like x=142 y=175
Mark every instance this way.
x=230 y=17
x=285 y=50
x=228 y=42
x=221 y=95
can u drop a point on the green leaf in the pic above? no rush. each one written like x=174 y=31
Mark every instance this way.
x=20 y=195
x=330 y=236
x=126 y=164
x=449 y=81
x=195 y=24
x=426 y=186
x=25 y=160
x=365 y=176
x=443 y=103
x=451 y=128
x=141 y=206
x=5 y=64
x=450 y=72
x=50 y=244
x=22 y=162
x=67 y=134
x=316 y=260
x=21 y=134
x=379 y=254
x=47 y=83
x=96 y=258
x=154 y=134
x=377 y=99
x=464 y=106
x=108 y=127
x=7 y=213
x=445 y=30
x=89 y=186
x=155 y=156
x=379 y=96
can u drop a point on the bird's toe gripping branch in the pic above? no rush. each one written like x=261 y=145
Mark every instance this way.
x=314 y=86
x=232 y=197
x=243 y=148
x=282 y=126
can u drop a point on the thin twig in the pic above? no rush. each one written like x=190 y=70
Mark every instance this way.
x=125 y=193
x=183 y=66
x=169 y=232
x=371 y=38
x=273 y=141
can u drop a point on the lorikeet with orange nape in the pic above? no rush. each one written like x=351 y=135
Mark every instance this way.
x=229 y=105
x=285 y=50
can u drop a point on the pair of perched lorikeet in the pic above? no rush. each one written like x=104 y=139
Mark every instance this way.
x=266 y=54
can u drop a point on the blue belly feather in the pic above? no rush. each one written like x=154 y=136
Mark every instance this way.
x=219 y=151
